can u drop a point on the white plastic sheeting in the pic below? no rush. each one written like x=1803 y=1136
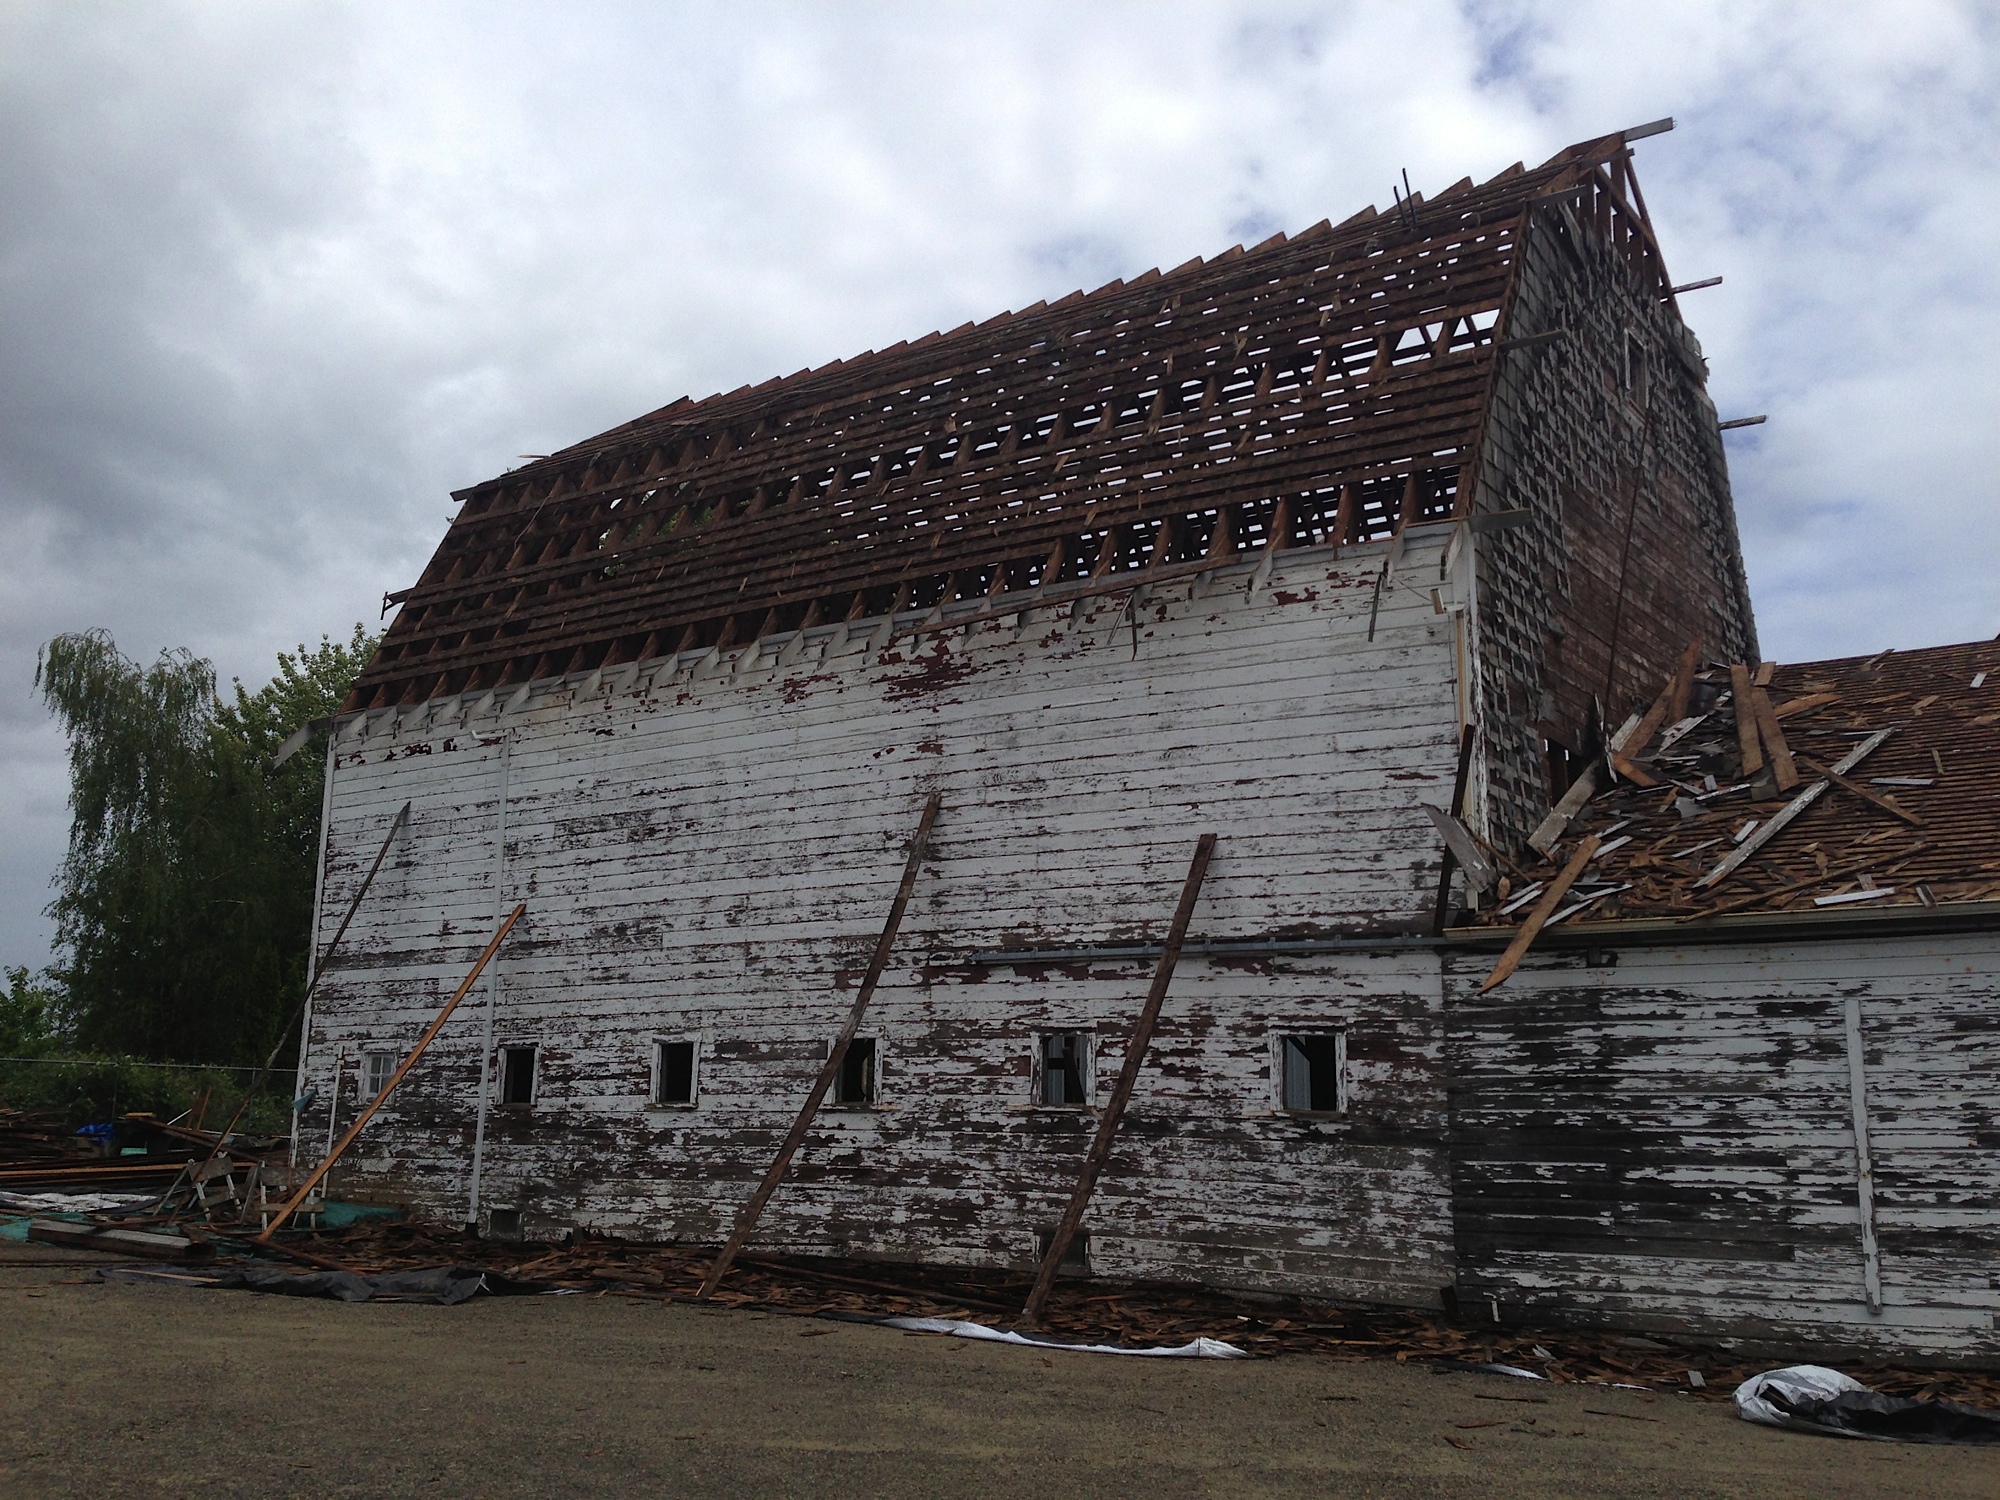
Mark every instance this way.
x=1198 y=1349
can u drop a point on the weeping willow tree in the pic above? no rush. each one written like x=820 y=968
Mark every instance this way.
x=186 y=894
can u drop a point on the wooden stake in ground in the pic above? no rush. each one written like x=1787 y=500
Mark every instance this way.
x=313 y=1178
x=1121 y=1095
x=754 y=1210
x=1531 y=928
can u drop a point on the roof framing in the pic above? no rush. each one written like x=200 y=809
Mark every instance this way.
x=1328 y=387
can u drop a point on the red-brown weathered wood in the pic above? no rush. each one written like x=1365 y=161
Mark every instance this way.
x=1128 y=1076
x=746 y=1223
x=1537 y=918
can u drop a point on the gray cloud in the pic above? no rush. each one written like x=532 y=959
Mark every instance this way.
x=273 y=280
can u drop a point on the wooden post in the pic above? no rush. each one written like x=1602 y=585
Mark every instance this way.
x=1128 y=1075
x=367 y=1113
x=746 y=1222
x=1450 y=862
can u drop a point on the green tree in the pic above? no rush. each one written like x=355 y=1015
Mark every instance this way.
x=186 y=895
x=32 y=1015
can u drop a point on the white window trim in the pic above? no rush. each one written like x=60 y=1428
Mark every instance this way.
x=653 y=1099
x=500 y=1050
x=1343 y=1090
x=1036 y=1059
x=378 y=1049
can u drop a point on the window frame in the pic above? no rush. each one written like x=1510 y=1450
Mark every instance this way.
x=368 y=1053
x=1038 y=1064
x=501 y=1050
x=1342 y=1086
x=659 y=1045
x=874 y=1099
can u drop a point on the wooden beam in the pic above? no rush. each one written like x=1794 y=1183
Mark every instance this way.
x=313 y=1178
x=1543 y=909
x=1775 y=749
x=1888 y=805
x=1121 y=1094
x=746 y=1222
x=1746 y=720
x=1440 y=912
x=1778 y=820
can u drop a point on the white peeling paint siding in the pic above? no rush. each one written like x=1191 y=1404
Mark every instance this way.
x=1669 y=1143
x=709 y=853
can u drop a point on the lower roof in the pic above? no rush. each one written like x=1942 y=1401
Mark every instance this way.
x=1865 y=784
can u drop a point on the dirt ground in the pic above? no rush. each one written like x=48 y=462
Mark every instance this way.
x=112 y=1390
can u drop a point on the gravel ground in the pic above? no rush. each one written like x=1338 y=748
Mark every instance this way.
x=141 y=1390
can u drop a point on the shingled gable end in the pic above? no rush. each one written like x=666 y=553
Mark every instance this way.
x=1279 y=547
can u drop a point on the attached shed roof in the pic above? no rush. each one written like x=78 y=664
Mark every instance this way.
x=1327 y=386
x=1913 y=819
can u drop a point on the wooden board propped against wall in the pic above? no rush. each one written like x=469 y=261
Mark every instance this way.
x=1128 y=1076
x=836 y=1055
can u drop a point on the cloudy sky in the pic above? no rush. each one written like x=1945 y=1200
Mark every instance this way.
x=275 y=278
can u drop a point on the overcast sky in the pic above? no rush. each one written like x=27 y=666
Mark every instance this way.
x=274 y=279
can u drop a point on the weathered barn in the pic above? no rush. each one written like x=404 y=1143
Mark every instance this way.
x=1752 y=1084
x=1245 y=548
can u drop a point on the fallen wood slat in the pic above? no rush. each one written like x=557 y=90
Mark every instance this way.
x=1532 y=926
x=1776 y=750
x=1580 y=791
x=1832 y=872
x=113 y=1241
x=1888 y=804
x=1777 y=822
x=1747 y=742
x=1792 y=707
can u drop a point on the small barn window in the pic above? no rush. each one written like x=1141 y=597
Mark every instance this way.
x=376 y=1070
x=1062 y=1072
x=855 y=1085
x=1313 y=1073
x=1637 y=385
x=517 y=1075
x=673 y=1074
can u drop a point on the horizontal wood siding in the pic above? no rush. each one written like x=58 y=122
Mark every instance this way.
x=1668 y=1143
x=710 y=855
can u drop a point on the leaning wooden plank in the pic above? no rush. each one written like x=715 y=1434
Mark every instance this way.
x=1531 y=927
x=313 y=1178
x=1780 y=819
x=1121 y=1095
x=1746 y=720
x=299 y=1012
x=746 y=1222
x=1580 y=791
x=1888 y=805
x=1775 y=749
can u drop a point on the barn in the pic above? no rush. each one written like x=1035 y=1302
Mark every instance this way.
x=1750 y=1086
x=1181 y=615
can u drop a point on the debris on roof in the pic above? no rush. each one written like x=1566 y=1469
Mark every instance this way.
x=1870 y=782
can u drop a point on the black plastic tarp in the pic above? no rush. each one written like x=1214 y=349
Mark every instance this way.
x=437 y=1285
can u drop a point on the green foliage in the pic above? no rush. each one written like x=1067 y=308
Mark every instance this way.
x=82 y=1090
x=186 y=895
x=33 y=1015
